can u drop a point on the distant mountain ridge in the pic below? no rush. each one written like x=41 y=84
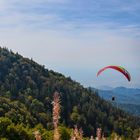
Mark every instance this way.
x=126 y=98
x=122 y=94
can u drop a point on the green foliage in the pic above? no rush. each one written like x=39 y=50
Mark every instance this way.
x=4 y=123
x=45 y=135
x=65 y=133
x=14 y=132
x=18 y=132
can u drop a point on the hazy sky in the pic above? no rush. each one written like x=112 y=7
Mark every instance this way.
x=76 y=37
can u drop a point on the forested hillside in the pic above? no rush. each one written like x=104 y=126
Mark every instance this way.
x=26 y=94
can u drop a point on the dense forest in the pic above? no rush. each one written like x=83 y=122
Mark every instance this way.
x=26 y=95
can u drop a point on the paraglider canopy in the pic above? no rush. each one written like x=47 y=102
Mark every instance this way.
x=118 y=68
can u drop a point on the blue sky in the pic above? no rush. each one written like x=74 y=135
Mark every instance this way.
x=76 y=38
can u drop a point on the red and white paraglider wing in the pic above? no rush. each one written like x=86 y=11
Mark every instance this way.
x=118 y=68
